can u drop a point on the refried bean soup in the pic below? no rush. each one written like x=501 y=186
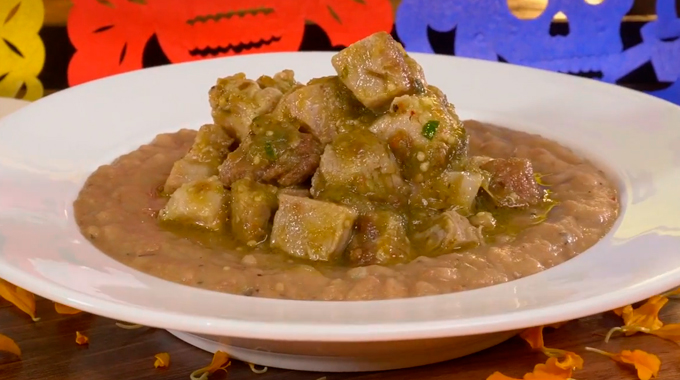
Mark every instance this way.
x=363 y=185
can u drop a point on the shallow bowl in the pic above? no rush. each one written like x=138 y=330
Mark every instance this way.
x=48 y=148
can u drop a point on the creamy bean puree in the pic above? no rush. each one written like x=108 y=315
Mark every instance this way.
x=360 y=186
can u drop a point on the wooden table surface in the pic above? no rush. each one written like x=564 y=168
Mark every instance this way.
x=50 y=352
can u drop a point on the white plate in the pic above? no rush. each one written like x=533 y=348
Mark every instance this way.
x=48 y=148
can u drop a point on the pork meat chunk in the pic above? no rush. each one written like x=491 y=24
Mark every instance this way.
x=377 y=69
x=450 y=189
x=325 y=107
x=511 y=182
x=380 y=239
x=359 y=164
x=284 y=81
x=311 y=229
x=198 y=203
x=447 y=232
x=252 y=207
x=211 y=146
x=236 y=101
x=425 y=134
x=277 y=154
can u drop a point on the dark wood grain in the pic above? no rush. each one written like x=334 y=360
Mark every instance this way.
x=50 y=352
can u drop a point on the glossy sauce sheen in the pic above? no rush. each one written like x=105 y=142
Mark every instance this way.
x=117 y=211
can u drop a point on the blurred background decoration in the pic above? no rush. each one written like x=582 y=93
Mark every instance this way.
x=61 y=43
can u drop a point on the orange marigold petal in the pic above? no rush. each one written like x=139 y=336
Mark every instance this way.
x=220 y=361
x=534 y=336
x=647 y=315
x=63 y=309
x=646 y=364
x=499 y=376
x=549 y=370
x=162 y=360
x=571 y=361
x=669 y=332
x=19 y=297
x=81 y=339
x=9 y=345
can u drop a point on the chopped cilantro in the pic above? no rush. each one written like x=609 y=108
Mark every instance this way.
x=269 y=150
x=430 y=129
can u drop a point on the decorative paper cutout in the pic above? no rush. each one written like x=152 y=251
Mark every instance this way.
x=22 y=53
x=487 y=29
x=110 y=35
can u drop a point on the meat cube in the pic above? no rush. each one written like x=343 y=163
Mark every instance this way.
x=361 y=164
x=284 y=81
x=512 y=182
x=236 y=101
x=425 y=134
x=450 y=189
x=445 y=233
x=277 y=154
x=311 y=229
x=211 y=146
x=252 y=207
x=380 y=239
x=377 y=69
x=295 y=191
x=324 y=107
x=198 y=203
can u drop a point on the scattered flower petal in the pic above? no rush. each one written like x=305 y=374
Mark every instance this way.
x=81 y=339
x=646 y=364
x=672 y=293
x=499 y=376
x=220 y=361
x=9 y=345
x=21 y=298
x=643 y=319
x=548 y=371
x=551 y=370
x=534 y=336
x=162 y=360
x=571 y=361
x=257 y=371
x=63 y=309
x=668 y=332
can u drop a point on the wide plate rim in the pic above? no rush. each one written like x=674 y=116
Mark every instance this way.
x=347 y=332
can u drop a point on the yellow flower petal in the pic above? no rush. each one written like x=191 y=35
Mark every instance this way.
x=9 y=345
x=21 y=298
x=643 y=319
x=668 y=332
x=647 y=315
x=571 y=361
x=162 y=360
x=63 y=309
x=534 y=336
x=81 y=339
x=499 y=376
x=646 y=364
x=549 y=370
x=220 y=361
